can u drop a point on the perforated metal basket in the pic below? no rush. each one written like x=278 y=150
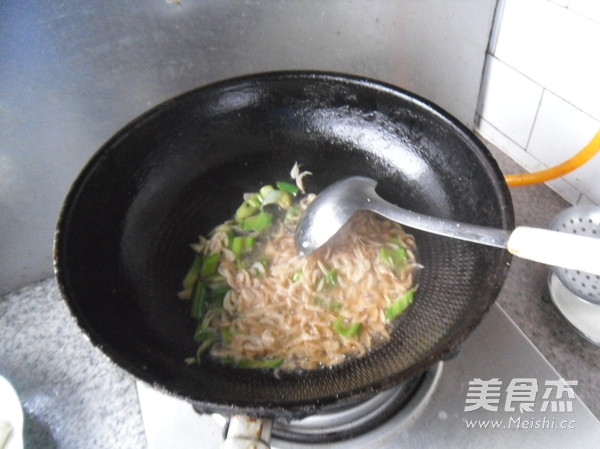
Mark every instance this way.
x=582 y=220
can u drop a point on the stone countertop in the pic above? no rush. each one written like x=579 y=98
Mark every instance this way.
x=74 y=397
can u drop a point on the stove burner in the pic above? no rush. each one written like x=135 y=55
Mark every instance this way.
x=356 y=418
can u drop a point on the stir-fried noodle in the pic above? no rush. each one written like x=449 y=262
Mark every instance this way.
x=279 y=309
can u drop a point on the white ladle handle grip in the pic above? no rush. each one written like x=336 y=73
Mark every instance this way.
x=245 y=432
x=561 y=249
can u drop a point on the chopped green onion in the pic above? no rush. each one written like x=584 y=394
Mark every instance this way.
x=203 y=334
x=245 y=210
x=287 y=187
x=335 y=306
x=278 y=197
x=292 y=214
x=214 y=281
x=296 y=276
x=210 y=265
x=249 y=242
x=230 y=236
x=394 y=257
x=254 y=200
x=273 y=197
x=202 y=348
x=227 y=335
x=400 y=305
x=344 y=330
x=218 y=294
x=327 y=304
x=237 y=246
x=257 y=222
x=285 y=201
x=265 y=190
x=201 y=296
x=331 y=278
x=242 y=243
x=268 y=363
x=192 y=274
x=318 y=301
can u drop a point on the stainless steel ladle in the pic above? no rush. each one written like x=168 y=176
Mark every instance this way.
x=335 y=205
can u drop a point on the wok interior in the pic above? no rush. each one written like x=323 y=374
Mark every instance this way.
x=123 y=237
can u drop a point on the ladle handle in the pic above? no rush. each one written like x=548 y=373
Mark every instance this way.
x=562 y=249
x=245 y=432
x=463 y=231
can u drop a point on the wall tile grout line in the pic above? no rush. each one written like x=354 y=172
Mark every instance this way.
x=496 y=27
x=506 y=137
x=537 y=111
x=584 y=16
x=527 y=77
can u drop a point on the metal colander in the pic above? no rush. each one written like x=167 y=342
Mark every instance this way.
x=582 y=220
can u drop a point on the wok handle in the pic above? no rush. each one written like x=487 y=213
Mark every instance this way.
x=245 y=432
x=561 y=249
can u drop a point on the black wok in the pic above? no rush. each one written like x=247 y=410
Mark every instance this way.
x=122 y=244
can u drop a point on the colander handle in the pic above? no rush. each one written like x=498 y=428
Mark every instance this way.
x=561 y=249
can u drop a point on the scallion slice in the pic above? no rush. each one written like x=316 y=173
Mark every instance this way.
x=192 y=274
x=272 y=197
x=245 y=210
x=331 y=278
x=287 y=187
x=257 y=222
x=297 y=275
x=267 y=363
x=394 y=257
x=199 y=303
x=400 y=305
x=210 y=265
x=237 y=245
x=346 y=330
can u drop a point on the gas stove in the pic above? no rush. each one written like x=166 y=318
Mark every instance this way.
x=498 y=391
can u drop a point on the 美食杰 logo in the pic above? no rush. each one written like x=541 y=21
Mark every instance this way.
x=520 y=397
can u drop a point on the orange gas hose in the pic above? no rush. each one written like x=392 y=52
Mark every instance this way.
x=576 y=161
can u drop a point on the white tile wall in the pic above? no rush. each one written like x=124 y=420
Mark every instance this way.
x=511 y=100
x=555 y=47
x=540 y=99
x=587 y=8
x=561 y=129
x=561 y=2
